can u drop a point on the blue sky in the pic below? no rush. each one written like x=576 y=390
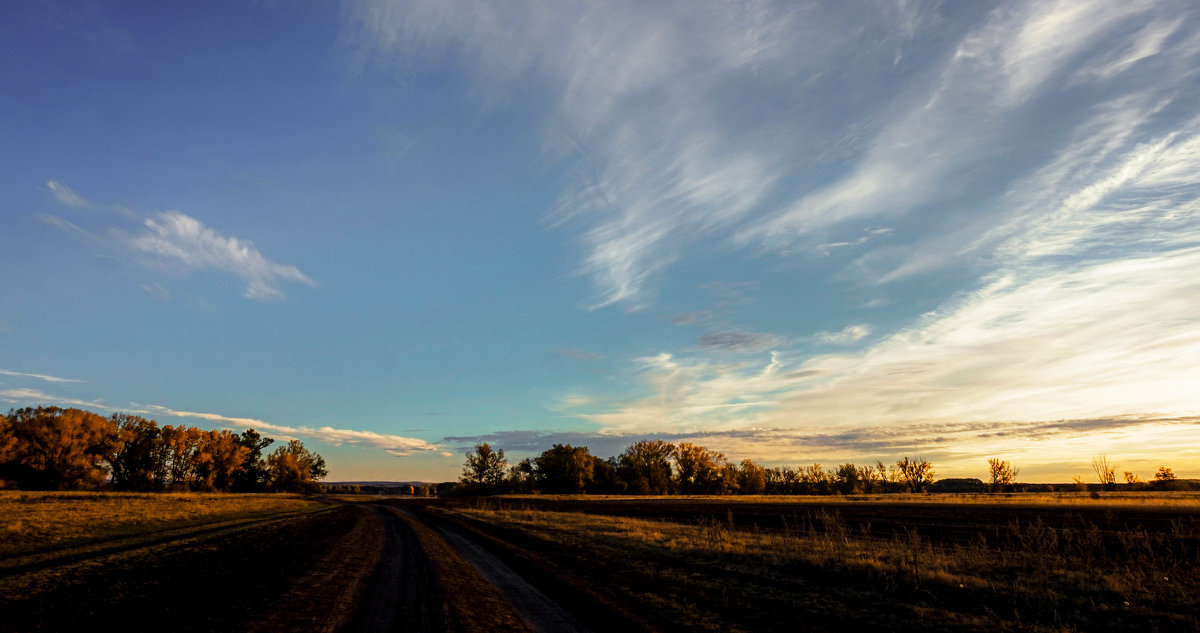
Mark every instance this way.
x=793 y=232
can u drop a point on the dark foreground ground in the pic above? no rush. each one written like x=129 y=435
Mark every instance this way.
x=465 y=565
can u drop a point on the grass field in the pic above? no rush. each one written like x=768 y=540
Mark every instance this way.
x=1116 y=498
x=41 y=520
x=1029 y=562
x=1048 y=567
x=142 y=560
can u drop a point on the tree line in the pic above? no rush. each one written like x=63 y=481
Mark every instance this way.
x=50 y=448
x=657 y=467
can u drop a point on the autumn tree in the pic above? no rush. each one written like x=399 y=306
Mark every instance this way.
x=1105 y=471
x=916 y=474
x=182 y=451
x=645 y=467
x=1165 y=479
x=872 y=477
x=219 y=458
x=252 y=476
x=751 y=478
x=134 y=460
x=1003 y=474
x=814 y=480
x=484 y=468
x=889 y=477
x=698 y=470
x=847 y=479
x=293 y=468
x=520 y=477
x=563 y=469
x=782 y=481
x=605 y=479
x=56 y=449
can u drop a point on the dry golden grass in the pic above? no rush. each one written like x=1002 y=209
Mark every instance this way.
x=1119 y=498
x=41 y=520
x=1046 y=578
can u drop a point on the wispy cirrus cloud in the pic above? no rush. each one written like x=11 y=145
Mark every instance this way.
x=184 y=240
x=66 y=195
x=45 y=377
x=931 y=147
x=1050 y=449
x=1044 y=153
x=647 y=103
x=25 y=396
x=848 y=334
x=397 y=445
x=70 y=198
x=179 y=239
x=1098 y=340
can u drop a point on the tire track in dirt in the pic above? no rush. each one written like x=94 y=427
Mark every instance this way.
x=400 y=595
x=536 y=610
x=325 y=599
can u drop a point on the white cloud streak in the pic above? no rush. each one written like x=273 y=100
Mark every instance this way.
x=397 y=445
x=649 y=99
x=949 y=128
x=184 y=240
x=5 y=372
x=652 y=100
x=25 y=396
x=66 y=195
x=846 y=335
x=1032 y=147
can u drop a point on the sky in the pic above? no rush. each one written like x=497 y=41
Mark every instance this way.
x=792 y=232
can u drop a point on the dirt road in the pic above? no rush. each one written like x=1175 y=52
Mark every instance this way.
x=352 y=568
x=407 y=569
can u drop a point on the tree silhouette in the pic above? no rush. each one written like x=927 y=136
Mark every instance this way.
x=484 y=468
x=605 y=479
x=698 y=470
x=645 y=467
x=252 y=476
x=564 y=469
x=751 y=478
x=1105 y=471
x=847 y=479
x=294 y=468
x=1003 y=474
x=134 y=460
x=916 y=474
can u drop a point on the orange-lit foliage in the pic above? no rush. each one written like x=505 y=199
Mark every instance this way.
x=218 y=460
x=55 y=449
x=294 y=468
